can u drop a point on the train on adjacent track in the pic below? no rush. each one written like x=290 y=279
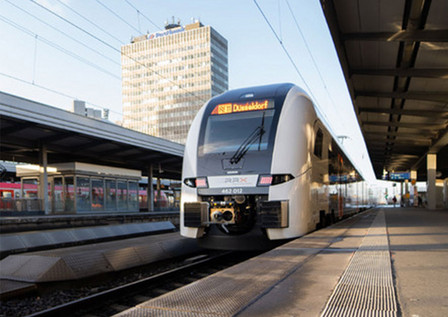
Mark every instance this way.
x=11 y=193
x=260 y=167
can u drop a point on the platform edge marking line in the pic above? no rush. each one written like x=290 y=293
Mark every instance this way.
x=368 y=276
x=295 y=268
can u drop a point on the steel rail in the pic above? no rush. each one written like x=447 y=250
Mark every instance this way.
x=93 y=301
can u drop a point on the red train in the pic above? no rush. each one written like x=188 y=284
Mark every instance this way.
x=10 y=192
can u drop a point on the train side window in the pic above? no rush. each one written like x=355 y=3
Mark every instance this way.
x=331 y=162
x=318 y=143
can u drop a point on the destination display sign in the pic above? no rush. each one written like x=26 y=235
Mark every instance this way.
x=254 y=105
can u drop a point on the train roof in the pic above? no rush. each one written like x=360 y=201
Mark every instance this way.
x=278 y=90
x=266 y=91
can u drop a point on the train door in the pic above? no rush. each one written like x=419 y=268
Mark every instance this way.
x=319 y=188
x=333 y=180
x=341 y=186
x=6 y=197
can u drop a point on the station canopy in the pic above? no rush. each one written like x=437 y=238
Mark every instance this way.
x=26 y=127
x=394 y=55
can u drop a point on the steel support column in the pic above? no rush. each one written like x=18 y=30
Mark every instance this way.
x=159 y=194
x=445 y=193
x=150 y=190
x=414 y=187
x=431 y=195
x=43 y=179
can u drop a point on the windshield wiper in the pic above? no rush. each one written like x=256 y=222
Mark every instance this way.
x=244 y=147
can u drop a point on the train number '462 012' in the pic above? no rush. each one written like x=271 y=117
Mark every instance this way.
x=231 y=191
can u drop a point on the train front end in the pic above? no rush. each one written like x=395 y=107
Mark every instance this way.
x=227 y=171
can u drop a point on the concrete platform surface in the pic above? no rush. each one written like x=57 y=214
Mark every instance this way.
x=419 y=252
x=348 y=269
x=45 y=239
x=83 y=261
x=24 y=222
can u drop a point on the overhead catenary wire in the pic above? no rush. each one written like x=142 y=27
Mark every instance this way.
x=65 y=34
x=118 y=16
x=115 y=49
x=306 y=43
x=140 y=12
x=312 y=58
x=138 y=21
x=90 y=21
x=280 y=19
x=56 y=46
x=309 y=52
x=37 y=85
x=56 y=92
x=285 y=50
x=75 y=25
x=313 y=97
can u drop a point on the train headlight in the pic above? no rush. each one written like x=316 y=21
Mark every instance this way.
x=264 y=180
x=281 y=178
x=267 y=180
x=199 y=182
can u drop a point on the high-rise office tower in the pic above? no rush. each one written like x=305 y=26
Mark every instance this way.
x=167 y=76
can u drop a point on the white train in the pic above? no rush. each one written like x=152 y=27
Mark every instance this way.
x=261 y=167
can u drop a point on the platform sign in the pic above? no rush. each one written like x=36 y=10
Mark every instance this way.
x=399 y=176
x=338 y=178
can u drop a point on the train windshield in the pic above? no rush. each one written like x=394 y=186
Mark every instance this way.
x=237 y=131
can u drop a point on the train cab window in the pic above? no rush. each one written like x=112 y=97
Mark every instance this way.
x=226 y=133
x=318 y=143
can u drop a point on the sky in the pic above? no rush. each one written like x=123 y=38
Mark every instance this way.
x=53 y=61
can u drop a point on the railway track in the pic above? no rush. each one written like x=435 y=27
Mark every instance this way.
x=113 y=301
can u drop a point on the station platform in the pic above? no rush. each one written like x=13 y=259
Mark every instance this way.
x=20 y=273
x=11 y=243
x=382 y=262
x=20 y=223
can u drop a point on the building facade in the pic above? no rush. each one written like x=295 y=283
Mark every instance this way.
x=167 y=76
